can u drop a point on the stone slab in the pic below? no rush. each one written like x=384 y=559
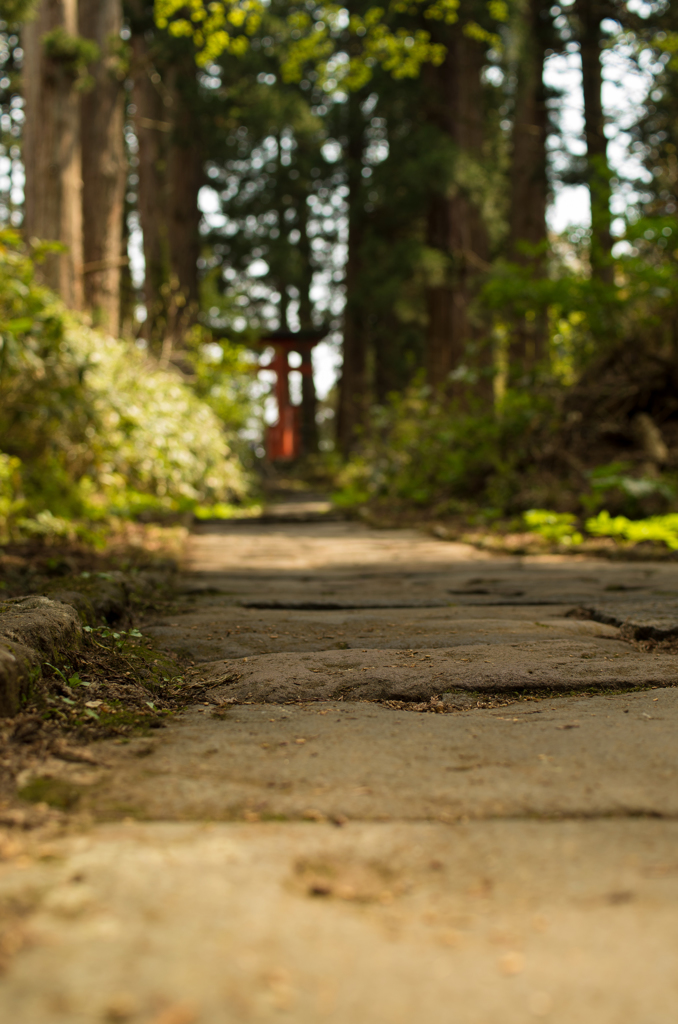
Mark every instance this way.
x=211 y=632
x=347 y=861
x=573 y=757
x=557 y=665
x=641 y=618
x=476 y=923
x=350 y=604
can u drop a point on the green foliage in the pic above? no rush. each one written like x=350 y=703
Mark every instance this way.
x=12 y=12
x=222 y=372
x=559 y=527
x=226 y=510
x=225 y=26
x=117 y=639
x=399 y=51
x=72 y=53
x=215 y=28
x=10 y=482
x=422 y=452
x=584 y=316
x=72 y=680
x=89 y=425
x=613 y=486
x=663 y=529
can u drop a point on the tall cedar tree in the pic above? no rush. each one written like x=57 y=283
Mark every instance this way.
x=51 y=145
x=529 y=185
x=589 y=15
x=168 y=124
x=104 y=164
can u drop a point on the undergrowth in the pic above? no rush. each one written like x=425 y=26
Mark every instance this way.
x=91 y=426
x=115 y=683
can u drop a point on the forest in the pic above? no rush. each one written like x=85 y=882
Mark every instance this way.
x=183 y=182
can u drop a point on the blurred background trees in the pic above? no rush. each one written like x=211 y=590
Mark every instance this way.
x=384 y=174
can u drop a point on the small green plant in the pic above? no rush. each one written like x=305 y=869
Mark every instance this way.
x=662 y=529
x=121 y=638
x=73 y=680
x=558 y=527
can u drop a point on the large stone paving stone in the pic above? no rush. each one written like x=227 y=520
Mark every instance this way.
x=558 y=665
x=511 y=922
x=327 y=605
x=575 y=756
x=216 y=633
x=640 y=618
x=392 y=588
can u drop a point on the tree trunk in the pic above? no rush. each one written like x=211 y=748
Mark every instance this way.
x=185 y=178
x=309 y=402
x=529 y=183
x=104 y=169
x=455 y=227
x=51 y=152
x=352 y=410
x=590 y=14
x=152 y=127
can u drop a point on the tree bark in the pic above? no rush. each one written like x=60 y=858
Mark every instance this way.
x=352 y=411
x=455 y=228
x=152 y=128
x=590 y=14
x=529 y=183
x=104 y=168
x=185 y=177
x=309 y=402
x=52 y=155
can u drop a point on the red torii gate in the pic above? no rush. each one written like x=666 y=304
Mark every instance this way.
x=295 y=434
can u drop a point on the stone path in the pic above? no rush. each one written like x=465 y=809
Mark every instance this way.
x=302 y=846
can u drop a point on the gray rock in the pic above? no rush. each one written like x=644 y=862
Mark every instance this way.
x=32 y=629
x=39 y=623
x=80 y=602
x=18 y=665
x=110 y=601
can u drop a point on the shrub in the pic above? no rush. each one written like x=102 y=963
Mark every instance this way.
x=420 y=452
x=88 y=425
